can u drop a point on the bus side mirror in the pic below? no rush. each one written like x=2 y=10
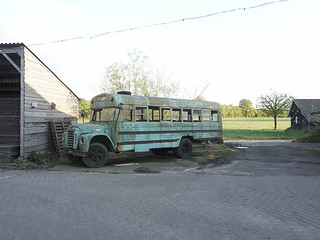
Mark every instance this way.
x=83 y=113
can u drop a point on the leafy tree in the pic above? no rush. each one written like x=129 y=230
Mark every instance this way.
x=230 y=111
x=274 y=105
x=84 y=105
x=246 y=108
x=259 y=113
x=138 y=77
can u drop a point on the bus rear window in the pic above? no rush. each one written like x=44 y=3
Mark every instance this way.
x=214 y=116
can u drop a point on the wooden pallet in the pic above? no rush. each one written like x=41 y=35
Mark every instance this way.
x=58 y=128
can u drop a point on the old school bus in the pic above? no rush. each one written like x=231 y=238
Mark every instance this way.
x=122 y=122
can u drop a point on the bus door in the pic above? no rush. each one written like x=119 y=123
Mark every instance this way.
x=125 y=128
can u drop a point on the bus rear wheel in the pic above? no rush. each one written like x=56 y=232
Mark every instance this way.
x=184 y=150
x=97 y=156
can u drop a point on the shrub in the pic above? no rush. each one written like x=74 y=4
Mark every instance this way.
x=313 y=136
x=40 y=158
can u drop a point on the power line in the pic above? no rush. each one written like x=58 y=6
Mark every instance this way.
x=160 y=23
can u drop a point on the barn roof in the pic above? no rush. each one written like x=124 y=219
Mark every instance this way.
x=15 y=45
x=308 y=108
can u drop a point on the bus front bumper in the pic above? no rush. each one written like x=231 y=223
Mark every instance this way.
x=75 y=152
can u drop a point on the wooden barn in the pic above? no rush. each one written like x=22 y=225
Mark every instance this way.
x=31 y=95
x=304 y=113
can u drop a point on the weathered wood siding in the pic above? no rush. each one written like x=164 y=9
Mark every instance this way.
x=46 y=98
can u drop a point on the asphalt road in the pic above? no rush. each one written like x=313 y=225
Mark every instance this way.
x=269 y=190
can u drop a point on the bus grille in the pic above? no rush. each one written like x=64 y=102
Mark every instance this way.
x=70 y=139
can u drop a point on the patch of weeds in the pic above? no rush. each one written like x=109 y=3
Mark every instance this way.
x=198 y=153
x=215 y=155
x=10 y=163
x=144 y=170
x=40 y=158
x=114 y=172
x=34 y=161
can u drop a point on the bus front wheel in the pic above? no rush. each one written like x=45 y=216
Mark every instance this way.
x=97 y=156
x=184 y=150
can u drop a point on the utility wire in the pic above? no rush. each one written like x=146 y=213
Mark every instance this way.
x=161 y=23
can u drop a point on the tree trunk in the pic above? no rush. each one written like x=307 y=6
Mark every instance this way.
x=275 y=123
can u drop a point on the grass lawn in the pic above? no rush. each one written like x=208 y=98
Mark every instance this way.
x=258 y=128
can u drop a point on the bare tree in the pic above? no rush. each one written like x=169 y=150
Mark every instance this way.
x=199 y=96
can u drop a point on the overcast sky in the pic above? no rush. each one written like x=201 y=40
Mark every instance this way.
x=240 y=54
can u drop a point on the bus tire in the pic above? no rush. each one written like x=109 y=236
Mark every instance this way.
x=184 y=150
x=97 y=156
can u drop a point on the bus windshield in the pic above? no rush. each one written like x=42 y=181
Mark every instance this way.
x=105 y=115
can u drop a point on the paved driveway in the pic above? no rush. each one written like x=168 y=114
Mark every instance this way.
x=268 y=191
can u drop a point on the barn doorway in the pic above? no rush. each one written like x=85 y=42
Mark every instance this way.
x=10 y=78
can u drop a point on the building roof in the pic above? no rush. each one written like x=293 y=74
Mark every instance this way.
x=15 y=45
x=308 y=108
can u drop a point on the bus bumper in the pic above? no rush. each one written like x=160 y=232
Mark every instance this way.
x=75 y=152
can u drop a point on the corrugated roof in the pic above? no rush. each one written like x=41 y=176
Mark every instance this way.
x=12 y=45
x=307 y=107
x=8 y=45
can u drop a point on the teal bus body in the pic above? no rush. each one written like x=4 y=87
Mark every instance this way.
x=140 y=124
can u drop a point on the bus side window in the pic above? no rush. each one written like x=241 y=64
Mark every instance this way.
x=206 y=115
x=129 y=115
x=196 y=115
x=186 y=115
x=141 y=114
x=176 y=115
x=154 y=114
x=214 y=115
x=166 y=114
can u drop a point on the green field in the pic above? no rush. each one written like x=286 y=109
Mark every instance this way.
x=258 y=128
